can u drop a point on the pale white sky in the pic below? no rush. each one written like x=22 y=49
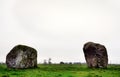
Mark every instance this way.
x=58 y=29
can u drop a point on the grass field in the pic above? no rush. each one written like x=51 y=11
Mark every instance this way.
x=64 y=70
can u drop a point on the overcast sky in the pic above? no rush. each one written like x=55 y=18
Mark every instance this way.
x=58 y=29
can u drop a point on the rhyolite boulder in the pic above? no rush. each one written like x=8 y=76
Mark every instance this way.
x=95 y=55
x=22 y=56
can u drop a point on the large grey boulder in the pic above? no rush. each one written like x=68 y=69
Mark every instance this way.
x=22 y=56
x=95 y=55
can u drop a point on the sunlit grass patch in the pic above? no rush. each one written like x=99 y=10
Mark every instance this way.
x=64 y=70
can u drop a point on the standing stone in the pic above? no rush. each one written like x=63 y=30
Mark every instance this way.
x=95 y=55
x=22 y=56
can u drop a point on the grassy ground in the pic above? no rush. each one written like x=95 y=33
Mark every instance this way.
x=65 y=70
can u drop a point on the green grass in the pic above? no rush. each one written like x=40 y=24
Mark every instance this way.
x=64 y=70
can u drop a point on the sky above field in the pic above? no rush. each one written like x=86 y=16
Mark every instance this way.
x=58 y=29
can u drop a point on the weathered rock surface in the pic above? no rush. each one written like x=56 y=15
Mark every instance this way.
x=22 y=56
x=95 y=55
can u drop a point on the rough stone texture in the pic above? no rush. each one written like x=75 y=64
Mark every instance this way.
x=22 y=56
x=95 y=55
